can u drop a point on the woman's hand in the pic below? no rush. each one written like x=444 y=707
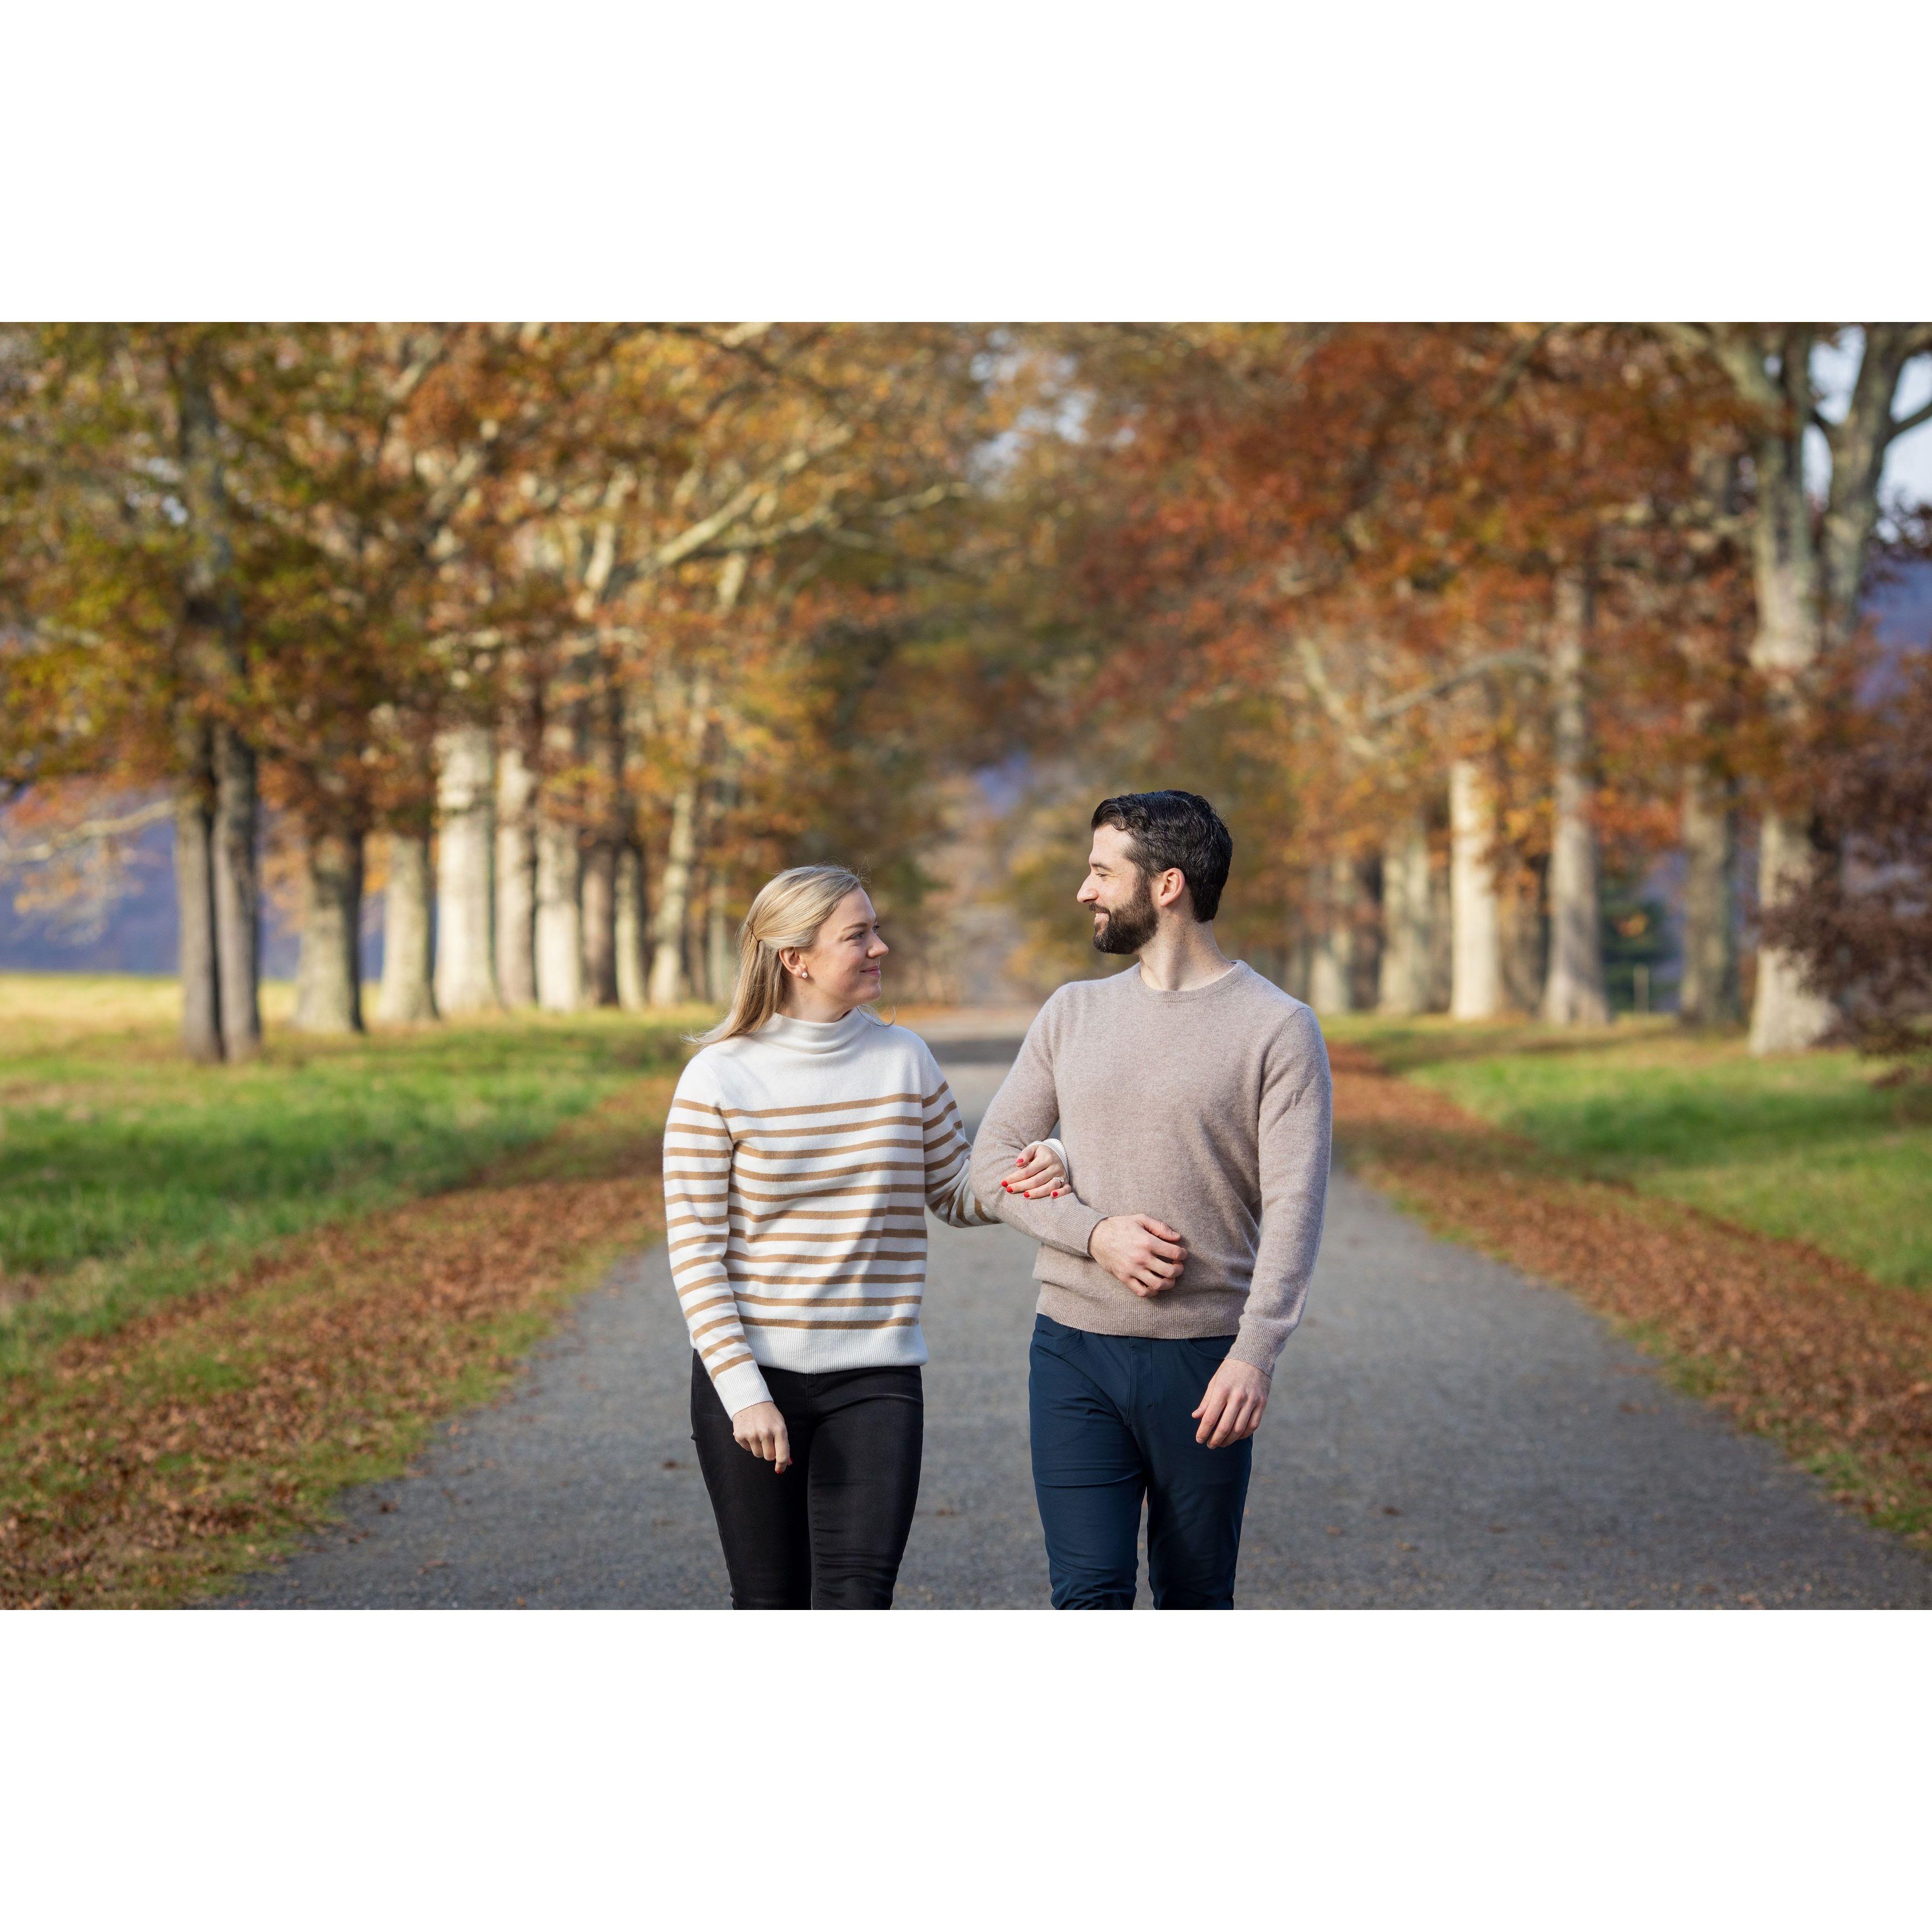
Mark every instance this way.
x=761 y=1430
x=1037 y=1171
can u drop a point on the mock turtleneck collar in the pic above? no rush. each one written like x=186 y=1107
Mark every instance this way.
x=815 y=1036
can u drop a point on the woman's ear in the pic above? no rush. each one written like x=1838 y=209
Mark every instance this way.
x=789 y=957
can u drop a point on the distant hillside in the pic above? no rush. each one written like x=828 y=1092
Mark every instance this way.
x=142 y=931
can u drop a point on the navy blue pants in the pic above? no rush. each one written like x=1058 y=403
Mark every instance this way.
x=1113 y=1423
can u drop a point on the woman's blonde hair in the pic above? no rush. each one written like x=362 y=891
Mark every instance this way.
x=789 y=910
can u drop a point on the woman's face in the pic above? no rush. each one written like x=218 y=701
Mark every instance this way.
x=842 y=963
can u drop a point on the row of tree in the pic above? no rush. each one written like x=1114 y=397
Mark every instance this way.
x=1457 y=616
x=514 y=597
x=564 y=637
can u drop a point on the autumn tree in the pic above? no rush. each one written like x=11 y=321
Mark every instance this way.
x=121 y=465
x=1436 y=554
x=1810 y=561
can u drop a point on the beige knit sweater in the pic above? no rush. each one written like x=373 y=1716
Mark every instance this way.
x=1208 y=1109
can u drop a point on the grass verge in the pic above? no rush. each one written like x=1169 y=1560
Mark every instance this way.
x=157 y=1462
x=1800 y=1146
x=1794 y=1343
x=129 y=1176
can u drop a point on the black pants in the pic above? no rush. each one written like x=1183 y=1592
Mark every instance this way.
x=828 y=1534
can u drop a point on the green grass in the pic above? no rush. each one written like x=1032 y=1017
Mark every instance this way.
x=127 y=1174
x=1800 y=1147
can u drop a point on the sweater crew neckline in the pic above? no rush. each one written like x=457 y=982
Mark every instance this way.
x=816 y=1035
x=1238 y=971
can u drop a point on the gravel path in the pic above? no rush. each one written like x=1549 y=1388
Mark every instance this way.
x=1444 y=1432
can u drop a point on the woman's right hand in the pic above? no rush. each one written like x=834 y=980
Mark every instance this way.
x=761 y=1430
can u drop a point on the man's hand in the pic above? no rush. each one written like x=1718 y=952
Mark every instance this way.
x=1146 y=1254
x=761 y=1430
x=1232 y=1407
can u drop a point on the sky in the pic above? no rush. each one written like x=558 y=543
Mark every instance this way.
x=1908 y=463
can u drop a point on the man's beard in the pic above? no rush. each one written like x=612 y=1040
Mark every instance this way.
x=1130 y=928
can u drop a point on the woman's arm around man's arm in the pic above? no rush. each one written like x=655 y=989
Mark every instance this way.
x=1023 y=1110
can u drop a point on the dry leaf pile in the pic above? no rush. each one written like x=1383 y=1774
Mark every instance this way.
x=1796 y=1345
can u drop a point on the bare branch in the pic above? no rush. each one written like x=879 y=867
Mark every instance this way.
x=1903 y=425
x=1316 y=672
x=690 y=542
x=1740 y=359
x=1463 y=674
x=89 y=832
x=828 y=519
x=1511 y=372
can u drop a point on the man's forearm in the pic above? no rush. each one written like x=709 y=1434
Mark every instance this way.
x=1061 y=1221
x=1023 y=1110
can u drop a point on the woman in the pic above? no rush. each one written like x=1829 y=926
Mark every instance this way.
x=804 y=1144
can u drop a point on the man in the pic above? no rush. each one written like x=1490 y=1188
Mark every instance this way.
x=1194 y=1102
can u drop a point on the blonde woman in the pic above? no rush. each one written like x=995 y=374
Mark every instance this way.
x=805 y=1143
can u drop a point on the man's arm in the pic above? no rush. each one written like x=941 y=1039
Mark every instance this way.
x=1023 y=1112
x=1297 y=1113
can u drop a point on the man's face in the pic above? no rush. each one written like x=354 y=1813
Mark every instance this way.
x=1117 y=893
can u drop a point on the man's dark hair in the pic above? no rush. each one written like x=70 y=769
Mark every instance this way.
x=1175 y=829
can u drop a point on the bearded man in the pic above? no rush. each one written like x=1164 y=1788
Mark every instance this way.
x=1193 y=1099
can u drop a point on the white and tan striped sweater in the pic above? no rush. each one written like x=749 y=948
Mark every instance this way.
x=799 y=1162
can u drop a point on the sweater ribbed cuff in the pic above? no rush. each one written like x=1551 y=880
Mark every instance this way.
x=1259 y=1347
x=740 y=1387
x=1074 y=1225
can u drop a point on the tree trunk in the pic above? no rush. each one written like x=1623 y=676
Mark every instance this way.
x=194 y=899
x=1476 y=988
x=1707 y=993
x=1298 y=966
x=1331 y=979
x=721 y=956
x=600 y=925
x=559 y=888
x=1573 y=993
x=1791 y=586
x=667 y=985
x=406 y=994
x=560 y=918
x=1786 y=1017
x=466 y=973
x=600 y=858
x=238 y=895
x=633 y=989
x=1519 y=927
x=1366 y=978
x=516 y=877
x=1441 y=939
x=1789 y=641
x=328 y=975
x=1404 y=981
x=668 y=982
x=213 y=625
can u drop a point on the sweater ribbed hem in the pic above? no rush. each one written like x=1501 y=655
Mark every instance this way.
x=1185 y=1315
